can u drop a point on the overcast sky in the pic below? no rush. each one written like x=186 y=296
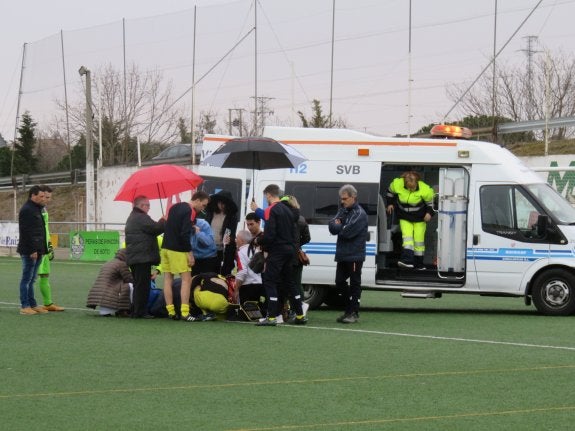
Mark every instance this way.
x=452 y=40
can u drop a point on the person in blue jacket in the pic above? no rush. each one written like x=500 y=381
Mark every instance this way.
x=204 y=249
x=350 y=226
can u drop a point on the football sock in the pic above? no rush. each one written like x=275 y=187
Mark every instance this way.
x=46 y=290
x=171 y=309
x=185 y=309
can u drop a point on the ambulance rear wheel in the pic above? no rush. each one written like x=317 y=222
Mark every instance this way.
x=314 y=295
x=554 y=292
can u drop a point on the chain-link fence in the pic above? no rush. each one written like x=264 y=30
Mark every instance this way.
x=352 y=54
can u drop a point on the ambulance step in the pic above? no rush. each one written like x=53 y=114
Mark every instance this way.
x=420 y=294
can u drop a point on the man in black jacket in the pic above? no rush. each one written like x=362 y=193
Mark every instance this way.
x=279 y=241
x=32 y=245
x=142 y=252
x=350 y=225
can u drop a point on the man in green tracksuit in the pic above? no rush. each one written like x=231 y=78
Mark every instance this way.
x=44 y=268
x=413 y=200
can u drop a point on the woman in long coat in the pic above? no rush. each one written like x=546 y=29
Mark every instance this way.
x=111 y=290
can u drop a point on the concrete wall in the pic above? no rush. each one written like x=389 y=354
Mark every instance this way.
x=111 y=179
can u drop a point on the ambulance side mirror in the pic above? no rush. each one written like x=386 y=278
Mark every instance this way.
x=542 y=225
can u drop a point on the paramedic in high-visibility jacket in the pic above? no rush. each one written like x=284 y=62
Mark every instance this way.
x=412 y=200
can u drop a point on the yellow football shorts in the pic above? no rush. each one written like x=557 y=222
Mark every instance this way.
x=174 y=262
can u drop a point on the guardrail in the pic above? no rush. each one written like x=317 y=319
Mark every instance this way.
x=77 y=176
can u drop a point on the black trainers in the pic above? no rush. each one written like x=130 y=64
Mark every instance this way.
x=208 y=317
x=299 y=321
x=174 y=316
x=340 y=318
x=190 y=318
x=294 y=320
x=266 y=321
x=351 y=318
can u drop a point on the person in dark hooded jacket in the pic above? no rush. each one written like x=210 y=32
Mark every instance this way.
x=222 y=215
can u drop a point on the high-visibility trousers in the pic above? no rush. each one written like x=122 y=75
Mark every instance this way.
x=413 y=235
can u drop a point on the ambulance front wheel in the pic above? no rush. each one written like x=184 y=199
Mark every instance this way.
x=314 y=295
x=553 y=292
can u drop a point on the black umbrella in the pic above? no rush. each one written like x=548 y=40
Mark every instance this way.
x=254 y=153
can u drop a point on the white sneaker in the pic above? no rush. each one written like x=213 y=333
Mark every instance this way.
x=304 y=307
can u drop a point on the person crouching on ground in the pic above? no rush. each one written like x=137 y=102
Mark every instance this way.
x=111 y=290
x=210 y=295
x=248 y=283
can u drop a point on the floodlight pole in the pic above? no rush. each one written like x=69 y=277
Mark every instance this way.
x=90 y=195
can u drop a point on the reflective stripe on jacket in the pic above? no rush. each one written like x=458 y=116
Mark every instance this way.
x=410 y=205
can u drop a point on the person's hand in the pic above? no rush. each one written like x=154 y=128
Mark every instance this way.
x=337 y=221
x=427 y=217
x=191 y=260
x=253 y=205
x=154 y=274
x=389 y=209
x=227 y=238
x=34 y=256
x=50 y=251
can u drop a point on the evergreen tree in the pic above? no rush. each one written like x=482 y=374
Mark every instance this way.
x=318 y=120
x=25 y=162
x=78 y=155
x=5 y=161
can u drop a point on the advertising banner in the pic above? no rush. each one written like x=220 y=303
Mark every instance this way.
x=94 y=245
x=9 y=234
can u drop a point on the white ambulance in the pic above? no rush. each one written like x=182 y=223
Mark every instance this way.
x=499 y=229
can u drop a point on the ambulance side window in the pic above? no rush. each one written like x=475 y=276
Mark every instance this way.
x=319 y=200
x=509 y=212
x=496 y=207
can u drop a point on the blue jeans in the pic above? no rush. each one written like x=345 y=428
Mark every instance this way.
x=29 y=271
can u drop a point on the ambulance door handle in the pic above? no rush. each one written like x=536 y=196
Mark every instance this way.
x=475 y=239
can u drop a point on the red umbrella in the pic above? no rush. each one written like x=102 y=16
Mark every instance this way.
x=157 y=182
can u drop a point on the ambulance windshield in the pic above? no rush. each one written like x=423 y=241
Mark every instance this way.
x=555 y=204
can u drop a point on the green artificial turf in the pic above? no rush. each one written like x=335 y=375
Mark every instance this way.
x=456 y=363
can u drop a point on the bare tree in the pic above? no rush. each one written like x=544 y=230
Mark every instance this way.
x=144 y=112
x=548 y=91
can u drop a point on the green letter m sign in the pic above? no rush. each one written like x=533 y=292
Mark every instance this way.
x=563 y=184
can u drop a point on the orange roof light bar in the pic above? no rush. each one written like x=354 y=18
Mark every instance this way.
x=449 y=131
